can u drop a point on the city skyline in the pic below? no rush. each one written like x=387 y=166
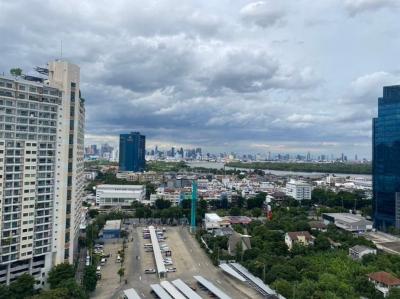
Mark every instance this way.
x=227 y=76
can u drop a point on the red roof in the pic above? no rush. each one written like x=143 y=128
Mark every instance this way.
x=384 y=278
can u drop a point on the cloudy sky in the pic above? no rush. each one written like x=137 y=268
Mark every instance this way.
x=227 y=75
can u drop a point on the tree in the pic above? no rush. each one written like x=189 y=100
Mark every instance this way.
x=394 y=293
x=322 y=243
x=60 y=273
x=235 y=211
x=185 y=204
x=93 y=213
x=240 y=201
x=283 y=287
x=162 y=204
x=124 y=234
x=257 y=201
x=89 y=278
x=256 y=212
x=224 y=201
x=23 y=286
x=150 y=189
x=121 y=272
x=366 y=288
x=59 y=293
x=16 y=72
x=4 y=292
x=74 y=290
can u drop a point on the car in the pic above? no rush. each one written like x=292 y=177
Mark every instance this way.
x=98 y=269
x=171 y=269
x=98 y=275
x=118 y=259
x=149 y=271
x=106 y=255
x=168 y=263
x=103 y=261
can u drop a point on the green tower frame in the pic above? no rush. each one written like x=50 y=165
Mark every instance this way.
x=193 y=207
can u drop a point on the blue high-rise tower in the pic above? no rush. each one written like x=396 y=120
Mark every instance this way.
x=132 y=150
x=386 y=160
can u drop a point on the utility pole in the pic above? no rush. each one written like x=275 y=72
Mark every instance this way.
x=264 y=273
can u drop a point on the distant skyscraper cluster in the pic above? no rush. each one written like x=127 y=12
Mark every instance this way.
x=105 y=151
x=386 y=160
x=41 y=170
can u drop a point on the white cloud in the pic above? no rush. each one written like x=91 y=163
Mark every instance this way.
x=368 y=87
x=263 y=13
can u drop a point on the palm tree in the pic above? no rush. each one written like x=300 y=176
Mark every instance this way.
x=121 y=272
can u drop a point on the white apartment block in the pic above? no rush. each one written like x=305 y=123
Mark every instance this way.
x=41 y=170
x=119 y=196
x=299 y=190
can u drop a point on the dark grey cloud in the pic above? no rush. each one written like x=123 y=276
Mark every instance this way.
x=211 y=73
x=355 y=7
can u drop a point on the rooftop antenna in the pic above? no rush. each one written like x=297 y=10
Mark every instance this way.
x=61 y=49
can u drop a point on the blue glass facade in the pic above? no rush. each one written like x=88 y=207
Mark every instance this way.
x=386 y=160
x=132 y=150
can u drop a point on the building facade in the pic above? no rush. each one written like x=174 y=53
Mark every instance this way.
x=119 y=196
x=386 y=160
x=41 y=163
x=132 y=151
x=298 y=190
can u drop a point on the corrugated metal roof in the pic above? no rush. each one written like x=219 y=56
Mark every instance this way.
x=161 y=293
x=171 y=290
x=185 y=289
x=211 y=287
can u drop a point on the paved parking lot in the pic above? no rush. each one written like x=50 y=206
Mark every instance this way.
x=187 y=257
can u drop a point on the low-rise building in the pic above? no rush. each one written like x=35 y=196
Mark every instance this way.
x=348 y=221
x=299 y=190
x=244 y=220
x=357 y=252
x=112 y=229
x=318 y=225
x=120 y=196
x=236 y=241
x=213 y=221
x=303 y=238
x=384 y=281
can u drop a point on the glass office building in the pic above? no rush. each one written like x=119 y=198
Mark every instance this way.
x=132 y=149
x=386 y=160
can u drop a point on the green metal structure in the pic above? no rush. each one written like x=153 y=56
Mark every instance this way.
x=193 y=207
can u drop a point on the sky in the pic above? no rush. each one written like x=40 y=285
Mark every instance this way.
x=226 y=75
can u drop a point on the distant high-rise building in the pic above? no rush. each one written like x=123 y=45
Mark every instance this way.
x=132 y=152
x=41 y=166
x=386 y=160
